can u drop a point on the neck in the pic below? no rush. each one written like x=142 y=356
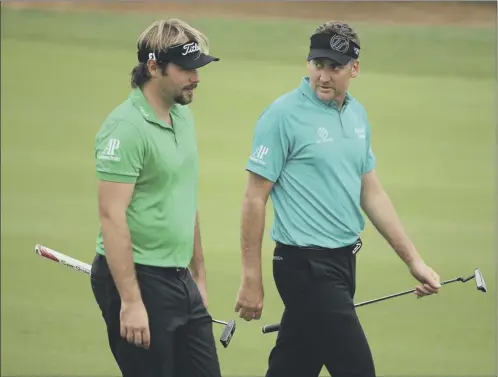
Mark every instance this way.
x=340 y=100
x=337 y=100
x=160 y=107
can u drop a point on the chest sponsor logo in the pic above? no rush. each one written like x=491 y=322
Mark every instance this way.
x=360 y=132
x=109 y=153
x=259 y=155
x=323 y=136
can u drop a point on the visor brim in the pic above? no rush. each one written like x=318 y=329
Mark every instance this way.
x=329 y=54
x=197 y=62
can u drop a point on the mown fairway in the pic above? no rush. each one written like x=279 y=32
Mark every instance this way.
x=431 y=106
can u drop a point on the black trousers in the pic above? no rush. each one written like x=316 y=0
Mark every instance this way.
x=319 y=326
x=182 y=340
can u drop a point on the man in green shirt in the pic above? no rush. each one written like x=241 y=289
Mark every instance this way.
x=148 y=276
x=312 y=153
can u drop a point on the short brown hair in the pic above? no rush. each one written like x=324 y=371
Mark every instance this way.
x=340 y=28
x=160 y=36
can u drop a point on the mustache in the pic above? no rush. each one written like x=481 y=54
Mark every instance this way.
x=190 y=87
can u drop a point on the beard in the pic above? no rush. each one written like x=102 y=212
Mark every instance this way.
x=183 y=98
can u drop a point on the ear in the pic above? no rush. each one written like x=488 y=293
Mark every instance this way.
x=154 y=69
x=355 y=69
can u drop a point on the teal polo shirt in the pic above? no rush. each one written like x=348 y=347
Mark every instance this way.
x=316 y=156
x=133 y=146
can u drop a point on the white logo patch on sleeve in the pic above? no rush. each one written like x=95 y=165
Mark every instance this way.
x=259 y=155
x=109 y=153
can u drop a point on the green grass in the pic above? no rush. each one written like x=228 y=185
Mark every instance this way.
x=431 y=107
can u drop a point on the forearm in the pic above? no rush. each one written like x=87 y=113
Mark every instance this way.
x=118 y=250
x=383 y=216
x=196 y=266
x=252 y=230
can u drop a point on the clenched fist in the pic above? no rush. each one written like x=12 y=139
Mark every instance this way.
x=249 y=303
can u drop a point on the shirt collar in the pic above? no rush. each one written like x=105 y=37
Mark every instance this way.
x=140 y=102
x=308 y=91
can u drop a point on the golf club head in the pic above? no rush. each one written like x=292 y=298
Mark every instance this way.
x=227 y=334
x=480 y=282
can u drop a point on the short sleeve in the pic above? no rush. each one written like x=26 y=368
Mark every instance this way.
x=270 y=146
x=119 y=152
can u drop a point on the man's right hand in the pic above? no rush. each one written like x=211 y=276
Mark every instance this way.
x=135 y=323
x=249 y=302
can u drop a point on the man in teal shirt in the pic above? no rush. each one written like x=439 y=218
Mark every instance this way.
x=312 y=154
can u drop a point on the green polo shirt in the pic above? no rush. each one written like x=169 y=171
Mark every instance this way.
x=133 y=146
x=316 y=154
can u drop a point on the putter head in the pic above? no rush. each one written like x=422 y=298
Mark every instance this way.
x=227 y=334
x=481 y=284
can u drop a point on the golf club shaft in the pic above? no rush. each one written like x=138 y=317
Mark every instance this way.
x=383 y=298
x=220 y=322
x=80 y=266
x=400 y=294
x=275 y=327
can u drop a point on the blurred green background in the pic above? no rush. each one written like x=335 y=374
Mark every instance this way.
x=429 y=92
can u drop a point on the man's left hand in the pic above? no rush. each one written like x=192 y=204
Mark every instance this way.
x=427 y=276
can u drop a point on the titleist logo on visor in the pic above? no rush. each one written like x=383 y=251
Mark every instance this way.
x=189 y=48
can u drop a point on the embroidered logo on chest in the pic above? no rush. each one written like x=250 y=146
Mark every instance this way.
x=323 y=136
x=360 y=132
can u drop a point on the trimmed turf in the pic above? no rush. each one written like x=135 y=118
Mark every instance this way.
x=432 y=116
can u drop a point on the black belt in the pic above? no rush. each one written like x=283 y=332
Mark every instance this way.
x=353 y=248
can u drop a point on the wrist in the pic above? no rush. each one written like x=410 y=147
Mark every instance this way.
x=132 y=299
x=414 y=262
x=412 y=258
x=252 y=276
x=407 y=252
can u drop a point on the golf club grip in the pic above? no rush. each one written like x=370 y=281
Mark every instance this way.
x=451 y=281
x=63 y=259
x=271 y=328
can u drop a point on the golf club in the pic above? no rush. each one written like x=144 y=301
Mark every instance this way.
x=228 y=331
x=80 y=266
x=480 y=284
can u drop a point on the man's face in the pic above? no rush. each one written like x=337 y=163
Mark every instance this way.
x=329 y=80
x=177 y=84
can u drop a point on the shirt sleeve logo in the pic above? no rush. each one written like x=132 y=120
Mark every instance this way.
x=109 y=153
x=259 y=154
